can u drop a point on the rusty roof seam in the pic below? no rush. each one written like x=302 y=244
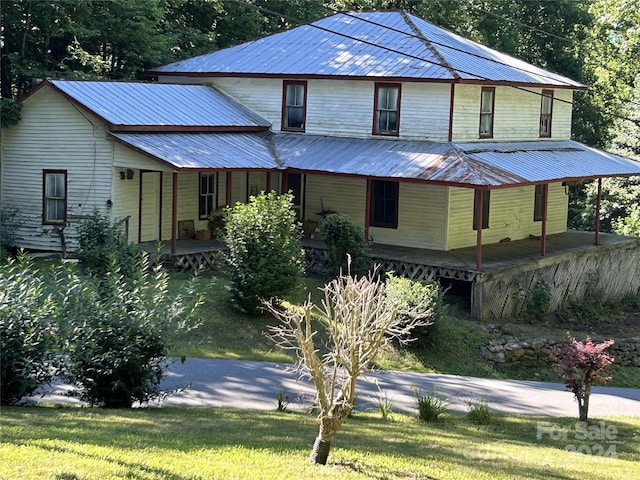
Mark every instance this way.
x=418 y=33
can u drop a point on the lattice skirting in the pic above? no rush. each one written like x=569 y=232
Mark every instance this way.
x=420 y=272
x=189 y=261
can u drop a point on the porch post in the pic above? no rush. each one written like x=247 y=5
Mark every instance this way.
x=543 y=235
x=479 y=200
x=367 y=210
x=268 y=185
x=285 y=182
x=228 y=193
x=174 y=213
x=598 y=199
x=140 y=207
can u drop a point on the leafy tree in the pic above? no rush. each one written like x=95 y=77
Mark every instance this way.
x=100 y=241
x=581 y=365
x=117 y=330
x=27 y=333
x=344 y=237
x=263 y=258
x=360 y=319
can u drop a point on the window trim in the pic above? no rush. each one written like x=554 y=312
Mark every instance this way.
x=386 y=199
x=491 y=113
x=214 y=194
x=486 y=208
x=65 y=198
x=546 y=94
x=376 y=113
x=283 y=126
x=538 y=203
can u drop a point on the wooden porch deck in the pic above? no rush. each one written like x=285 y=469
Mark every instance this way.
x=456 y=264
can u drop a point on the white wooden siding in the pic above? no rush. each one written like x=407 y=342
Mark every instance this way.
x=516 y=114
x=54 y=135
x=345 y=107
x=510 y=215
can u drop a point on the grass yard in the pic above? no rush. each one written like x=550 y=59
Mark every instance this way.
x=184 y=444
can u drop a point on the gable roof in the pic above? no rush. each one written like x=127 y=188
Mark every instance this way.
x=136 y=106
x=390 y=45
x=480 y=164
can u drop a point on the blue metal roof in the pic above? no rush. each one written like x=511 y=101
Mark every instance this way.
x=368 y=44
x=489 y=164
x=140 y=105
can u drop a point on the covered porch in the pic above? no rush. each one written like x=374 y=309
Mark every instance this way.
x=573 y=266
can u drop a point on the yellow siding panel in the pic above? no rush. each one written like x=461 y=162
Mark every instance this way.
x=510 y=215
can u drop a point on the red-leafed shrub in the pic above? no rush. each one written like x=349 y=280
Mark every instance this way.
x=582 y=365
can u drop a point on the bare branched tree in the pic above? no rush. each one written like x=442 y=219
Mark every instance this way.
x=360 y=320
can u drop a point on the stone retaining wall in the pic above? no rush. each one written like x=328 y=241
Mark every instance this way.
x=536 y=351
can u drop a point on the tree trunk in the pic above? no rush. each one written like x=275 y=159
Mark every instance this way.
x=583 y=406
x=320 y=451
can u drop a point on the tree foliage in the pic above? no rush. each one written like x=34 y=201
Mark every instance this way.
x=116 y=331
x=263 y=257
x=360 y=318
x=100 y=242
x=344 y=239
x=581 y=365
x=27 y=331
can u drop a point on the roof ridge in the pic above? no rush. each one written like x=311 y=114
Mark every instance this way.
x=418 y=33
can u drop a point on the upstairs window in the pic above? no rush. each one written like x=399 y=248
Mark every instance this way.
x=487 y=102
x=207 y=197
x=538 y=203
x=54 y=198
x=486 y=199
x=294 y=103
x=384 y=204
x=386 y=109
x=546 y=110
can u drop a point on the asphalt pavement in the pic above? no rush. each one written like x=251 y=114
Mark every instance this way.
x=256 y=385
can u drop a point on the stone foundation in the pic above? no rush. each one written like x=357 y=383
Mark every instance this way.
x=536 y=351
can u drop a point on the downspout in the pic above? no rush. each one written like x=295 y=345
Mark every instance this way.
x=160 y=207
x=174 y=214
x=452 y=96
x=543 y=234
x=598 y=200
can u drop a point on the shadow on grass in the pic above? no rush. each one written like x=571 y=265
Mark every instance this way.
x=366 y=444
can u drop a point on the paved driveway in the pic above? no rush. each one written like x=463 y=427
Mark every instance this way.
x=255 y=385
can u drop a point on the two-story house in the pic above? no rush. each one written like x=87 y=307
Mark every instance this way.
x=455 y=158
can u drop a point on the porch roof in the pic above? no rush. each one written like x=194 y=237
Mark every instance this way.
x=481 y=164
x=476 y=164
x=203 y=151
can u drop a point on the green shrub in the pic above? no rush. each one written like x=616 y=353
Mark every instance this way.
x=343 y=236
x=430 y=405
x=99 y=240
x=263 y=258
x=409 y=294
x=27 y=334
x=479 y=412
x=7 y=230
x=118 y=330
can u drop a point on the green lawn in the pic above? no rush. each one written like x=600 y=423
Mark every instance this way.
x=167 y=443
